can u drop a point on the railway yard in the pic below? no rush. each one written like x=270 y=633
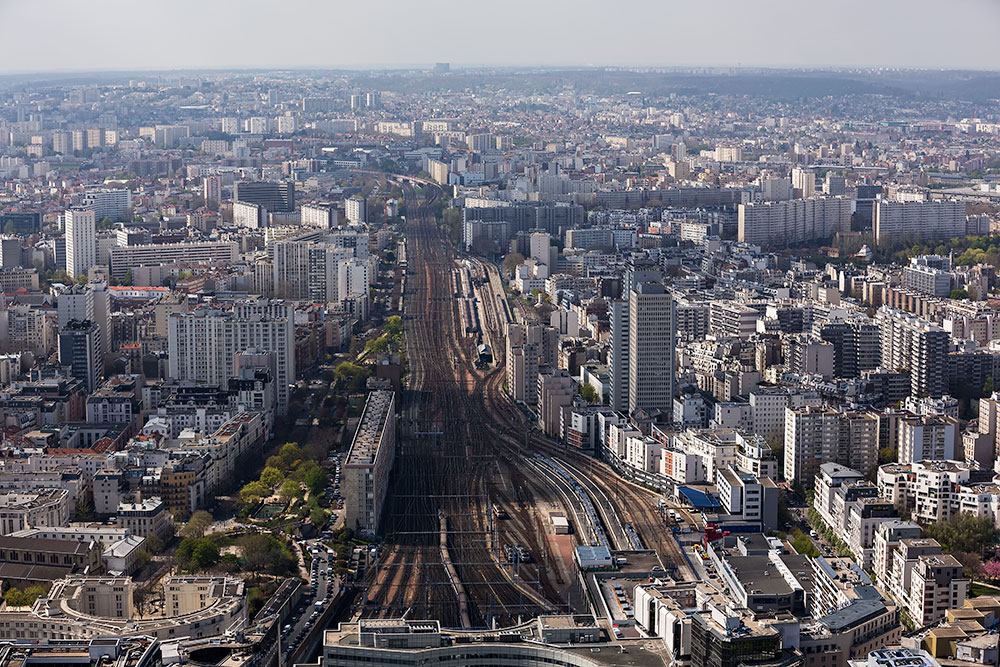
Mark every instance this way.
x=466 y=534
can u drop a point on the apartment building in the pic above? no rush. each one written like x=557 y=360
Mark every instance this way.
x=369 y=462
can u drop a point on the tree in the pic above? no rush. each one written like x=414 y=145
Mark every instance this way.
x=510 y=263
x=254 y=492
x=988 y=387
x=290 y=489
x=964 y=532
x=197 y=524
x=271 y=477
x=264 y=553
x=197 y=553
x=318 y=517
x=142 y=598
x=154 y=544
x=315 y=480
x=959 y=294
x=275 y=461
x=589 y=394
x=290 y=453
x=25 y=598
x=991 y=569
x=393 y=326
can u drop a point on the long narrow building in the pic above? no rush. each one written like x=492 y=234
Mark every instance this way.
x=369 y=462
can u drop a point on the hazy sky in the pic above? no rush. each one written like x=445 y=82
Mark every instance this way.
x=42 y=35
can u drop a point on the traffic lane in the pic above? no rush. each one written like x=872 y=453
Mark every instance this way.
x=320 y=591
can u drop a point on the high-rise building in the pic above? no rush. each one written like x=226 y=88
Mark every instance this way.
x=248 y=214
x=917 y=346
x=78 y=349
x=81 y=241
x=212 y=191
x=356 y=209
x=353 y=278
x=279 y=197
x=834 y=186
x=918 y=221
x=618 y=354
x=856 y=345
x=90 y=303
x=795 y=221
x=815 y=435
x=928 y=438
x=776 y=189
x=324 y=216
x=62 y=142
x=203 y=343
x=804 y=180
x=651 y=352
x=114 y=204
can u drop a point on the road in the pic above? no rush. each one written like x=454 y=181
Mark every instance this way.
x=323 y=587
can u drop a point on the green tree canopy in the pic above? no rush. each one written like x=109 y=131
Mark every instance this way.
x=290 y=453
x=964 y=532
x=197 y=524
x=290 y=489
x=271 y=477
x=197 y=553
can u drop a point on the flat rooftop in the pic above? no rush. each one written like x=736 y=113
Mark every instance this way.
x=368 y=437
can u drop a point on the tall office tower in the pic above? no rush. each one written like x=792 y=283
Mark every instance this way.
x=834 y=186
x=212 y=191
x=373 y=100
x=916 y=345
x=804 y=180
x=81 y=241
x=78 y=349
x=795 y=221
x=278 y=197
x=356 y=209
x=203 y=344
x=114 y=204
x=357 y=101
x=776 y=189
x=651 y=352
x=62 y=142
x=618 y=354
x=918 y=221
x=640 y=269
x=324 y=216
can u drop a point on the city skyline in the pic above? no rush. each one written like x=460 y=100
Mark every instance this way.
x=891 y=34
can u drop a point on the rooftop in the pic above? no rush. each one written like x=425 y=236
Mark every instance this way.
x=369 y=434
